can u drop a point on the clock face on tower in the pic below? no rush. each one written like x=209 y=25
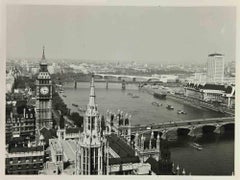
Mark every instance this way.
x=44 y=90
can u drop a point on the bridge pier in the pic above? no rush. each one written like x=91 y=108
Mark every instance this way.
x=106 y=84
x=75 y=84
x=123 y=85
x=191 y=132
x=218 y=129
x=164 y=135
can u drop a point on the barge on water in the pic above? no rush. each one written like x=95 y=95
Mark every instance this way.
x=160 y=95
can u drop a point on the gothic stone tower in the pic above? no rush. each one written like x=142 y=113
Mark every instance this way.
x=44 y=97
x=91 y=150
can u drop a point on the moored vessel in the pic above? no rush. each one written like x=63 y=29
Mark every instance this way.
x=159 y=95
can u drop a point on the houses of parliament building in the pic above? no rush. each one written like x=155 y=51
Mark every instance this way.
x=101 y=147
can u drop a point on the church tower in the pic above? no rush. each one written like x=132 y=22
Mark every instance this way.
x=43 y=97
x=91 y=150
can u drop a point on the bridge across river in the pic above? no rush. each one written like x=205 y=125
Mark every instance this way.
x=192 y=127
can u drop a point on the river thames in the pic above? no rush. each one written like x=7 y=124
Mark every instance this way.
x=217 y=155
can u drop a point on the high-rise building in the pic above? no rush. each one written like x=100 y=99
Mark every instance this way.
x=44 y=98
x=215 y=68
x=92 y=147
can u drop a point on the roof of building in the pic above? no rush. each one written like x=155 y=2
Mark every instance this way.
x=208 y=86
x=120 y=147
x=124 y=160
x=73 y=130
x=69 y=149
x=25 y=149
x=214 y=87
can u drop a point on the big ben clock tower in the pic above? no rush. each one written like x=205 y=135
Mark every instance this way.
x=44 y=97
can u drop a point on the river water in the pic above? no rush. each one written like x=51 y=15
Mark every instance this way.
x=217 y=156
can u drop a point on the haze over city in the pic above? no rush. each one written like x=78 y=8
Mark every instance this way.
x=121 y=34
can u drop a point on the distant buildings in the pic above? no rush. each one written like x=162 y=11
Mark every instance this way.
x=214 y=93
x=9 y=81
x=200 y=77
x=166 y=77
x=215 y=68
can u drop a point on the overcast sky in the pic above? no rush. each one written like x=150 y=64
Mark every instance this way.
x=141 y=34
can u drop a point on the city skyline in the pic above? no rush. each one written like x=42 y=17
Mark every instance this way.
x=125 y=33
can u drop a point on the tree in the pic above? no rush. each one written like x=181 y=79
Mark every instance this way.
x=77 y=119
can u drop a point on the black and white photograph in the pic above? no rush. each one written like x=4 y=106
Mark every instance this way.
x=120 y=90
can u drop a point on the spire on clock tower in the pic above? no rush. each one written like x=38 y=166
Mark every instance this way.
x=43 y=62
x=43 y=53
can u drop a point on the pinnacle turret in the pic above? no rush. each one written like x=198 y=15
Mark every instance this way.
x=43 y=53
x=92 y=94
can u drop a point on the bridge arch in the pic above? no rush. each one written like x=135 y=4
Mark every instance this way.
x=99 y=76
x=170 y=134
x=195 y=131
x=153 y=79
x=227 y=127
x=183 y=131
x=209 y=128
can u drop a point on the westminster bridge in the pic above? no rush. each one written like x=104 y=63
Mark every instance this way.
x=170 y=129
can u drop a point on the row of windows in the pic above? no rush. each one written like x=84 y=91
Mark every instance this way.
x=20 y=119
x=24 y=129
x=44 y=81
x=34 y=166
x=23 y=124
x=22 y=172
x=24 y=158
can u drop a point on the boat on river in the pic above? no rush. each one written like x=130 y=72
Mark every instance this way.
x=130 y=94
x=170 y=107
x=160 y=95
x=196 y=146
x=75 y=105
x=181 y=112
x=155 y=104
